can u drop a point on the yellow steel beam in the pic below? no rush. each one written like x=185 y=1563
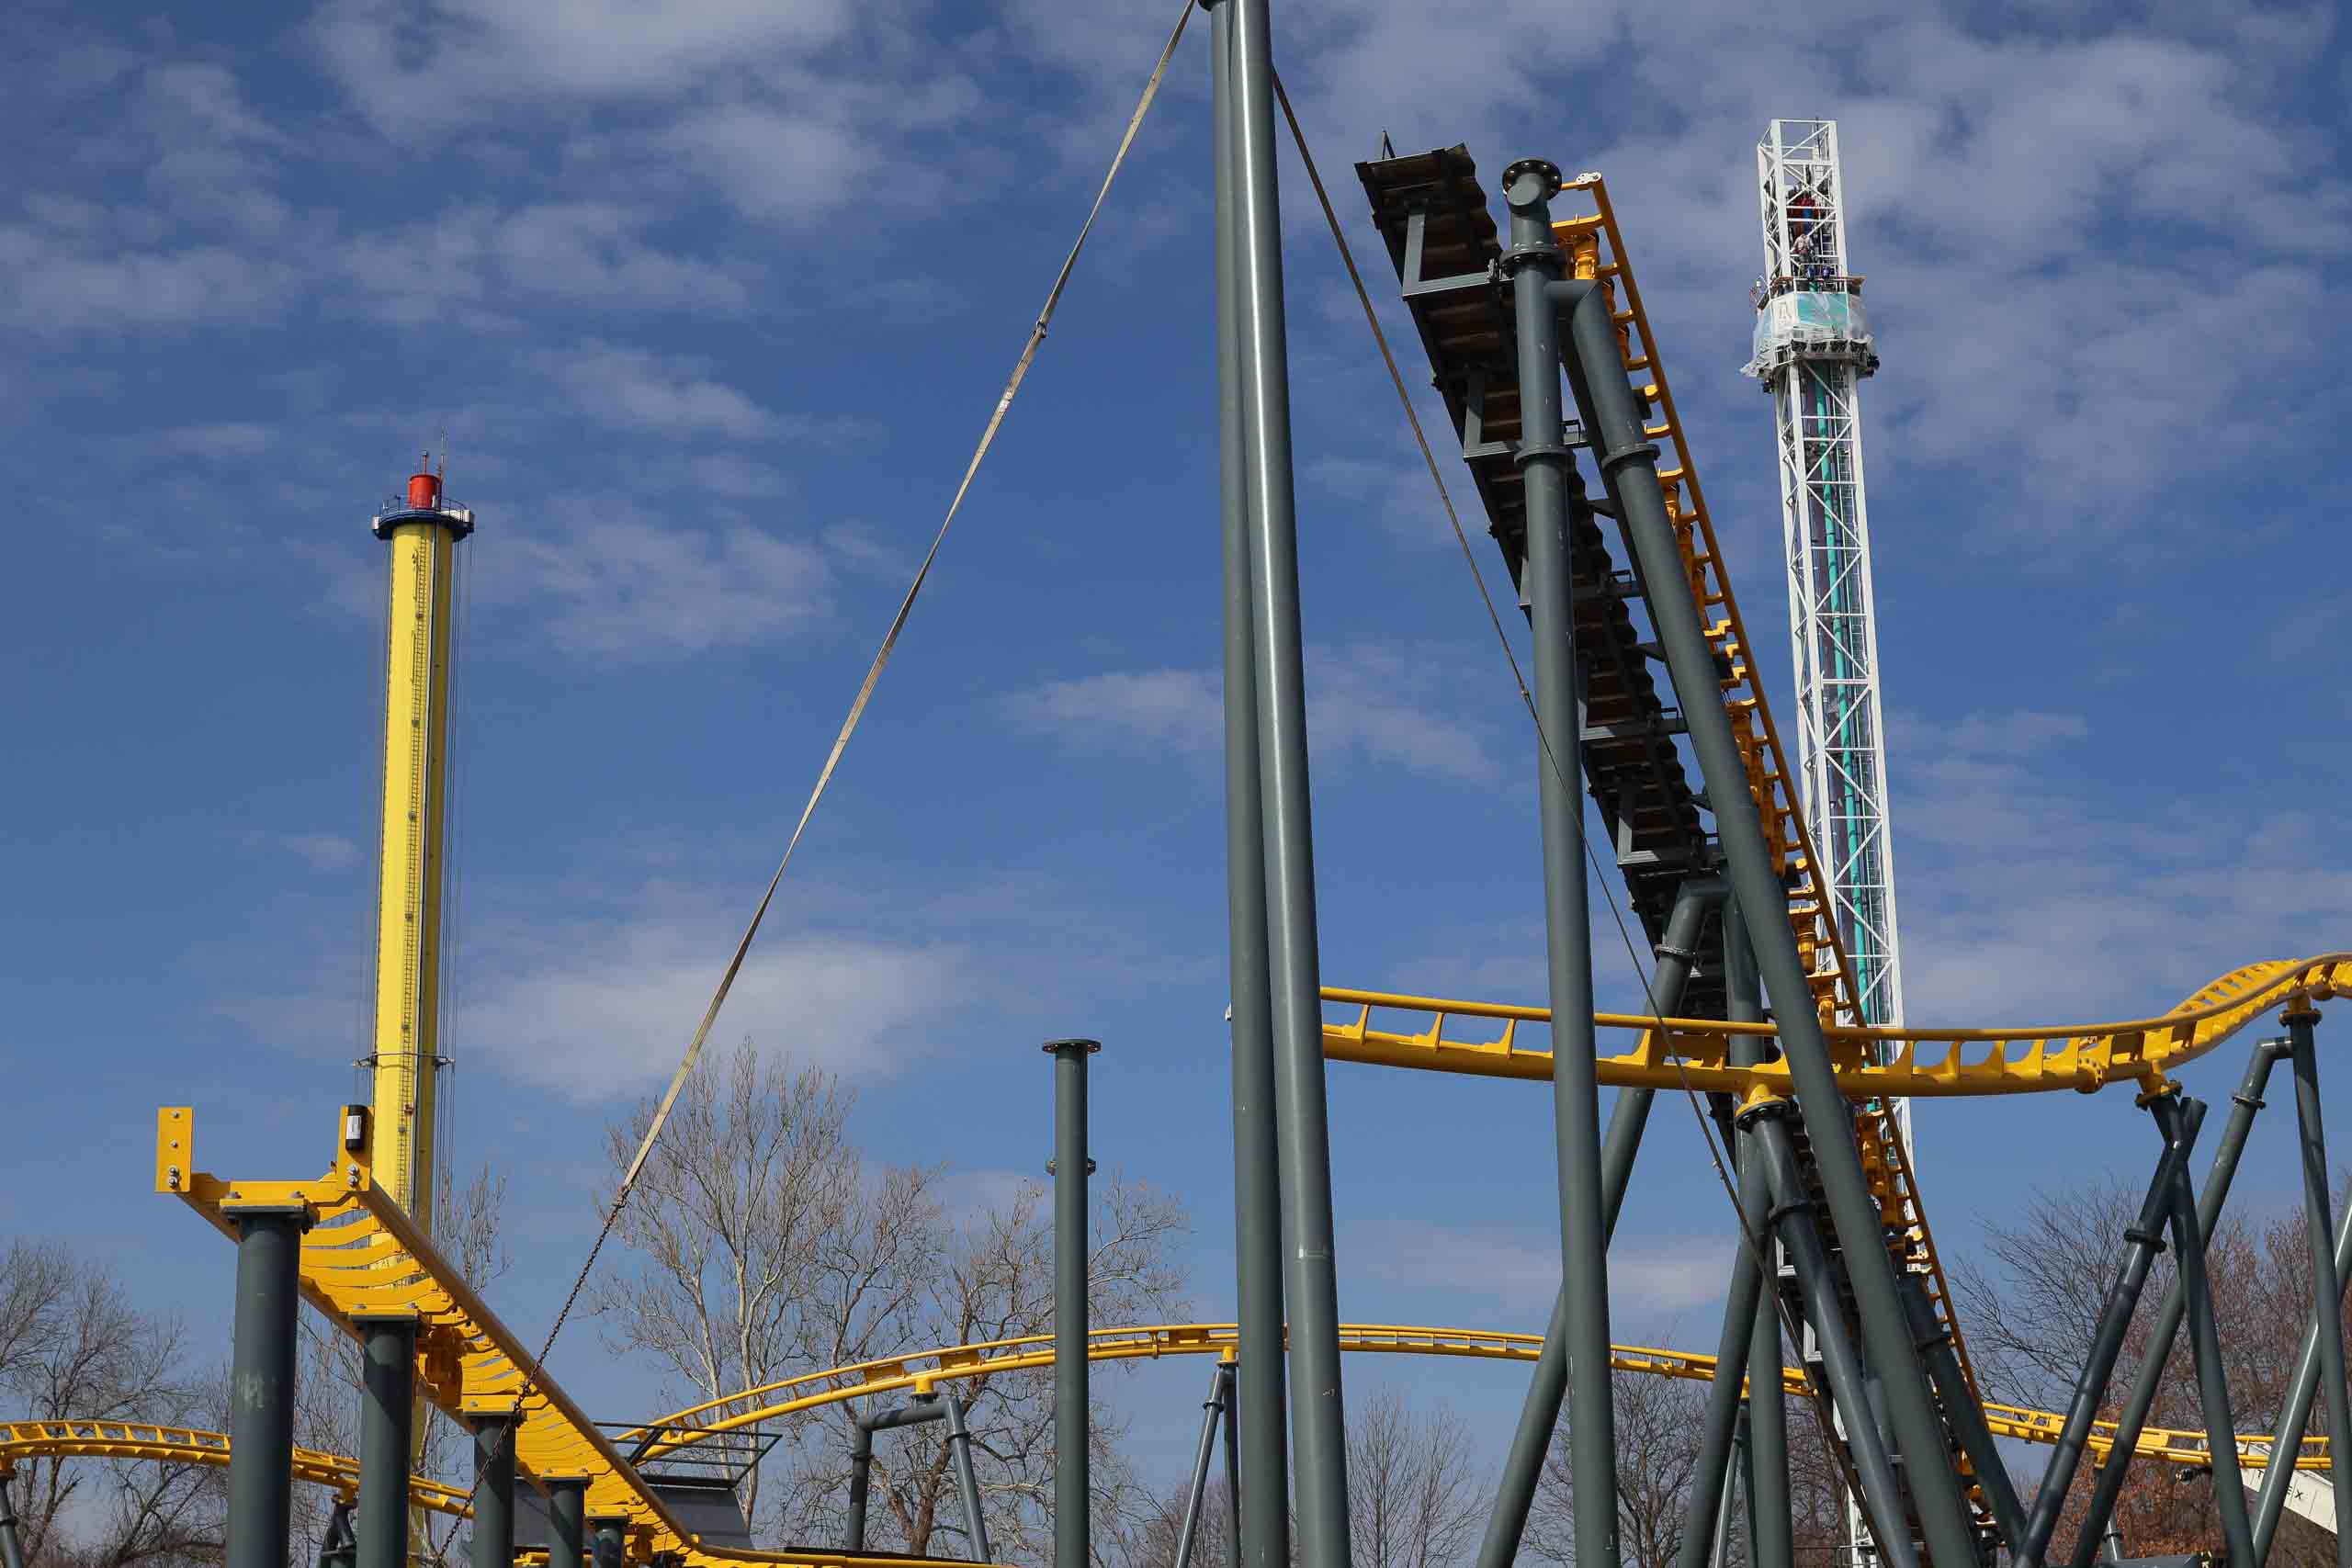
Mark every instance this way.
x=922 y=1371
x=363 y=1256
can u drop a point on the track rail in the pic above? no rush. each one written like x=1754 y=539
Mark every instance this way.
x=1919 y=1061
x=921 y=1372
x=363 y=1255
x=77 y=1438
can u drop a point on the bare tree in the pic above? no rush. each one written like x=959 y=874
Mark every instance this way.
x=1657 y=1421
x=1412 y=1499
x=71 y=1345
x=764 y=1246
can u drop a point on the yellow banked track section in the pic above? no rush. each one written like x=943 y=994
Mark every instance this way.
x=1921 y=1061
x=921 y=1372
x=364 y=1256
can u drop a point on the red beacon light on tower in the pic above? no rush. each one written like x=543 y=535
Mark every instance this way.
x=422 y=502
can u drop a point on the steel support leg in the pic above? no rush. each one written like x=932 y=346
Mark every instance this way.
x=2179 y=1124
x=387 y=1404
x=1072 y=1436
x=1257 y=1197
x=1771 y=1524
x=1966 y=1413
x=1629 y=464
x=2327 y=1286
x=967 y=1479
x=1719 y=1553
x=608 y=1541
x=2133 y=1418
x=493 y=1491
x=261 y=1387
x=1841 y=1363
x=1318 y=1424
x=338 y=1548
x=2295 y=1416
x=12 y=1550
x=2213 y=1378
x=1198 y=1493
x=567 y=1520
x=1719 y=1429
x=861 y=1485
x=1232 y=1470
x=1539 y=1414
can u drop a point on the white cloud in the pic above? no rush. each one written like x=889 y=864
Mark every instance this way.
x=1666 y=1275
x=671 y=396
x=1387 y=707
x=321 y=852
x=614 y=582
x=611 y=1012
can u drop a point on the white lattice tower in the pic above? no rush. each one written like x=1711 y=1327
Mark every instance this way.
x=1812 y=350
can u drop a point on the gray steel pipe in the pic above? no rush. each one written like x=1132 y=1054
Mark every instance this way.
x=2133 y=1417
x=1841 y=1364
x=2213 y=1378
x=861 y=1485
x=386 y=1407
x=1073 y=1435
x=1539 y=1414
x=567 y=1520
x=1719 y=1428
x=1719 y=1555
x=1966 y=1413
x=2327 y=1284
x=261 y=1386
x=1318 y=1424
x=1771 y=1523
x=1198 y=1493
x=12 y=1550
x=967 y=1479
x=2296 y=1413
x=1257 y=1197
x=608 y=1541
x=1548 y=477
x=1629 y=465
x=493 y=1540
x=2142 y=1241
x=1232 y=1474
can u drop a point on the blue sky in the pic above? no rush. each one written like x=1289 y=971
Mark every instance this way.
x=709 y=302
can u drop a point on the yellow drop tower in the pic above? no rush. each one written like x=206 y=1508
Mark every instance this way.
x=424 y=535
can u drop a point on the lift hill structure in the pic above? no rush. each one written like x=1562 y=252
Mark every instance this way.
x=1645 y=699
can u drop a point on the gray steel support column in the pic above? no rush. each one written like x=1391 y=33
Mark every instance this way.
x=1072 y=1434
x=967 y=1479
x=1719 y=1554
x=2133 y=1418
x=261 y=1386
x=1765 y=1436
x=2213 y=1378
x=2179 y=1124
x=1841 y=1364
x=1257 y=1197
x=2296 y=1413
x=1548 y=477
x=2327 y=1285
x=861 y=1485
x=1719 y=1428
x=1628 y=463
x=1318 y=1417
x=12 y=1550
x=1771 y=1523
x=608 y=1541
x=1965 y=1410
x=1198 y=1495
x=338 y=1548
x=387 y=1406
x=567 y=1520
x=1539 y=1414
x=1232 y=1470
x=493 y=1491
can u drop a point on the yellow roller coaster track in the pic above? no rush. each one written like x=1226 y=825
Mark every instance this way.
x=362 y=1256
x=1922 y=1062
x=921 y=1372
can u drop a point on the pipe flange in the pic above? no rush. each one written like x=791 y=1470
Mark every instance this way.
x=1617 y=456
x=1531 y=180
x=1527 y=452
